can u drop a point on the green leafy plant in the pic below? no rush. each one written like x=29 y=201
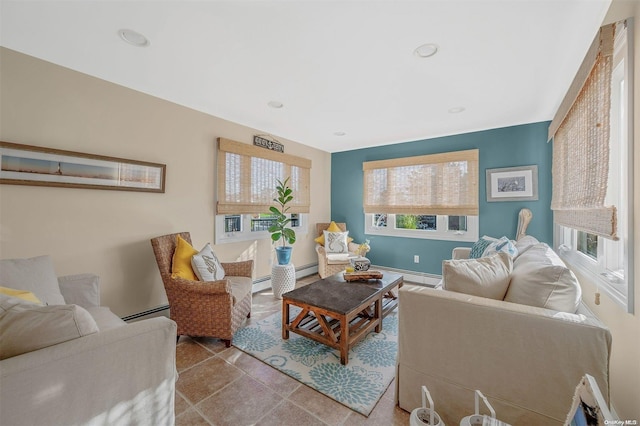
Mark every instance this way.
x=279 y=229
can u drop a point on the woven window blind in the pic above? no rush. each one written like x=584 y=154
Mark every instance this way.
x=247 y=178
x=445 y=184
x=580 y=165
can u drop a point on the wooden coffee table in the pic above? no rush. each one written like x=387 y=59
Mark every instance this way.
x=339 y=313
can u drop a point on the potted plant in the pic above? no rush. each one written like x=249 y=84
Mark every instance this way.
x=279 y=229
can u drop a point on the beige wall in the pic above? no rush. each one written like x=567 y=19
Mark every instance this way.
x=625 y=328
x=107 y=232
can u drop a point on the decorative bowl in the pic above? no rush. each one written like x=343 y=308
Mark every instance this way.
x=361 y=264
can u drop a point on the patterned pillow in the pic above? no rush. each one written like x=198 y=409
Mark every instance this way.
x=480 y=246
x=336 y=242
x=206 y=265
x=487 y=246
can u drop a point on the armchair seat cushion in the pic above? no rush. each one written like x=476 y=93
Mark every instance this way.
x=240 y=287
x=339 y=258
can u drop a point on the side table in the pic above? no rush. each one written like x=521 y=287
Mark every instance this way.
x=283 y=279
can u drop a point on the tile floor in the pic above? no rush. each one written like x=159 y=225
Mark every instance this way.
x=220 y=386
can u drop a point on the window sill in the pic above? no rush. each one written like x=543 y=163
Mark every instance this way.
x=589 y=269
x=425 y=235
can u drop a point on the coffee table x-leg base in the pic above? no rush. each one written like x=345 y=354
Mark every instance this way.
x=333 y=329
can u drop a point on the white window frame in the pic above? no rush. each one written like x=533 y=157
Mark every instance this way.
x=222 y=237
x=615 y=284
x=441 y=232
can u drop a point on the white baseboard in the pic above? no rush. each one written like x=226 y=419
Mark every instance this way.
x=265 y=282
x=413 y=277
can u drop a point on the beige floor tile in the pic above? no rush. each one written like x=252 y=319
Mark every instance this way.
x=181 y=405
x=323 y=407
x=242 y=403
x=385 y=413
x=189 y=353
x=191 y=418
x=289 y=414
x=267 y=375
x=208 y=377
x=213 y=344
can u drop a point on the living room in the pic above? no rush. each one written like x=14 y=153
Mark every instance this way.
x=108 y=232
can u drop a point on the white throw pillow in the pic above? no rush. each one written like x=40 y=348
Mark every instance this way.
x=206 y=265
x=540 y=278
x=503 y=245
x=36 y=275
x=336 y=242
x=26 y=326
x=487 y=276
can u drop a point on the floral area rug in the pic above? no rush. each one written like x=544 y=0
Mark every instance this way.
x=358 y=385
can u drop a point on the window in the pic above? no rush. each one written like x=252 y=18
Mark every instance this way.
x=435 y=227
x=430 y=196
x=245 y=227
x=246 y=187
x=605 y=260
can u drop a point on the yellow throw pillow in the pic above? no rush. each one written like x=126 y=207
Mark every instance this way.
x=333 y=227
x=20 y=294
x=181 y=265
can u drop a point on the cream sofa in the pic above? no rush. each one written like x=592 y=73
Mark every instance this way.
x=71 y=362
x=527 y=360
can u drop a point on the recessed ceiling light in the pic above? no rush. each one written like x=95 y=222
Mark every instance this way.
x=339 y=133
x=275 y=104
x=134 y=38
x=456 y=110
x=426 y=50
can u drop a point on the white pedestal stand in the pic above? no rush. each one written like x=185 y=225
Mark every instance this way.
x=283 y=279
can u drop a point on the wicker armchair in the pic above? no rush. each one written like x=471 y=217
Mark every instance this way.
x=215 y=308
x=326 y=267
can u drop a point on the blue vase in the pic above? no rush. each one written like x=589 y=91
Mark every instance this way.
x=284 y=255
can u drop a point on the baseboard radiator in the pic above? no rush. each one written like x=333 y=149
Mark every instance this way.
x=258 y=285
x=413 y=277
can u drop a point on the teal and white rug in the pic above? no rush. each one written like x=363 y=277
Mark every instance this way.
x=358 y=385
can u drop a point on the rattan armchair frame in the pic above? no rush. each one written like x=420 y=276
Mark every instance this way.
x=202 y=308
x=325 y=268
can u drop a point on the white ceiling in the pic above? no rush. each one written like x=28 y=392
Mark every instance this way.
x=337 y=66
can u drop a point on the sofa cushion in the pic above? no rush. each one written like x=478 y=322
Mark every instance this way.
x=525 y=243
x=104 y=318
x=26 y=326
x=487 y=276
x=20 y=294
x=541 y=279
x=181 y=262
x=35 y=274
x=206 y=265
x=336 y=242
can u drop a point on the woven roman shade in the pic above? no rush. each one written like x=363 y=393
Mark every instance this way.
x=247 y=178
x=445 y=184
x=581 y=145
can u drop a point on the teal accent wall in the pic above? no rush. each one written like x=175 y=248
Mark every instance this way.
x=506 y=147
